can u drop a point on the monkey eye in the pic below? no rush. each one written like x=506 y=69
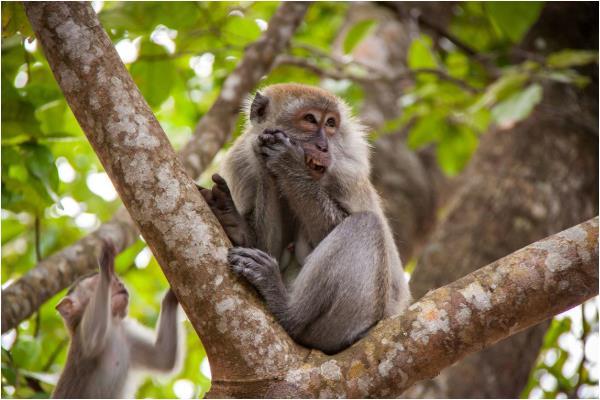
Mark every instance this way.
x=331 y=122
x=310 y=118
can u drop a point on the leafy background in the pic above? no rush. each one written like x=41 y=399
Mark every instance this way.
x=54 y=190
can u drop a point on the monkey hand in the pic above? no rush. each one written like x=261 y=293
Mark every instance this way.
x=221 y=203
x=259 y=268
x=107 y=259
x=170 y=299
x=279 y=151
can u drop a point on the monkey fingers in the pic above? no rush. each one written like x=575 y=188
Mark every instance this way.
x=277 y=145
x=255 y=265
x=207 y=194
x=107 y=258
x=221 y=183
x=170 y=297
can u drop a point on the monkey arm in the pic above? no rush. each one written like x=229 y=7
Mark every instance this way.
x=96 y=321
x=160 y=354
x=316 y=209
x=318 y=212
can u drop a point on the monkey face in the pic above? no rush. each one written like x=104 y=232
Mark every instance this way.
x=72 y=306
x=119 y=298
x=311 y=117
x=313 y=128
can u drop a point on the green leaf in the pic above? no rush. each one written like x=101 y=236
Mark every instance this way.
x=52 y=117
x=420 y=53
x=457 y=65
x=357 y=33
x=9 y=374
x=513 y=19
x=11 y=228
x=18 y=117
x=154 y=77
x=569 y=76
x=29 y=178
x=455 y=148
x=426 y=130
x=518 y=106
x=503 y=87
x=572 y=58
x=40 y=163
x=14 y=19
x=242 y=28
x=26 y=351
x=557 y=328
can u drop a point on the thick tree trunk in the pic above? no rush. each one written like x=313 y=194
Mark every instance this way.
x=176 y=223
x=250 y=354
x=503 y=298
x=26 y=295
x=410 y=183
x=523 y=184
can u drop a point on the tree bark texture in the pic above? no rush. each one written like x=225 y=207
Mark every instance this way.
x=524 y=183
x=22 y=298
x=250 y=354
x=175 y=221
x=410 y=183
x=505 y=297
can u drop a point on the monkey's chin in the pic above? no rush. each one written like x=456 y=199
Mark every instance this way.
x=120 y=301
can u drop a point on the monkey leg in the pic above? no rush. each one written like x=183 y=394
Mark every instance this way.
x=340 y=292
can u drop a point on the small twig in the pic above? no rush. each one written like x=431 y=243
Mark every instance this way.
x=400 y=75
x=38 y=257
x=38 y=250
x=440 y=73
x=54 y=354
x=422 y=20
x=339 y=63
x=285 y=59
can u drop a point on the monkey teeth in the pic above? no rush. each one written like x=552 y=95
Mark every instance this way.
x=315 y=166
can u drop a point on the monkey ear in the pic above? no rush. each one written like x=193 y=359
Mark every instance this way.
x=66 y=307
x=258 y=109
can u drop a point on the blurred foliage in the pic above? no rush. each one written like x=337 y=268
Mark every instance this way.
x=179 y=54
x=568 y=363
x=492 y=84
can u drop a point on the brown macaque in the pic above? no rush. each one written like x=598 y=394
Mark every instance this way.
x=307 y=225
x=107 y=347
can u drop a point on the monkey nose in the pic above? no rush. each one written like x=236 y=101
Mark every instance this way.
x=322 y=147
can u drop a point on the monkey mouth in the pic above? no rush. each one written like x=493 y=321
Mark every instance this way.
x=122 y=292
x=315 y=165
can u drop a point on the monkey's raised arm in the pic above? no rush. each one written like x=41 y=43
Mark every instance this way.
x=162 y=354
x=96 y=320
x=310 y=201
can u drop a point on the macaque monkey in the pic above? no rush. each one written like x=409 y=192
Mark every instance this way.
x=106 y=347
x=307 y=225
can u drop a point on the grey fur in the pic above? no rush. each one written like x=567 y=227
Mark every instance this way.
x=105 y=349
x=347 y=271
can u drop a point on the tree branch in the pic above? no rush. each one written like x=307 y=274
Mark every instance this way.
x=23 y=297
x=406 y=74
x=175 y=221
x=214 y=129
x=488 y=305
x=250 y=354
